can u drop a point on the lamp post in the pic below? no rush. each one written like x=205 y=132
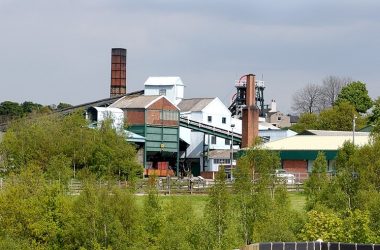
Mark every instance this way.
x=353 y=129
x=232 y=147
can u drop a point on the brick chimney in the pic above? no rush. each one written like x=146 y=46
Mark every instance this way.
x=118 y=72
x=250 y=119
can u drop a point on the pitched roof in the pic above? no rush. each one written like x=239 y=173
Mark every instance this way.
x=220 y=154
x=163 y=80
x=138 y=102
x=314 y=142
x=134 y=102
x=332 y=133
x=194 y=104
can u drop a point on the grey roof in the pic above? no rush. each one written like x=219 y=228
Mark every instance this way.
x=332 y=133
x=194 y=104
x=99 y=103
x=134 y=101
x=220 y=154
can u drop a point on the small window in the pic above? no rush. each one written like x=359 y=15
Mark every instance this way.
x=213 y=139
x=224 y=120
x=279 y=118
x=227 y=142
x=209 y=118
x=162 y=92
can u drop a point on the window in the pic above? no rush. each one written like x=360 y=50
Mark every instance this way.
x=222 y=161
x=169 y=115
x=209 y=118
x=227 y=142
x=279 y=118
x=162 y=92
x=213 y=139
x=224 y=120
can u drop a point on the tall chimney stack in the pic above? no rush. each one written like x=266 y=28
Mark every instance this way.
x=118 y=72
x=250 y=119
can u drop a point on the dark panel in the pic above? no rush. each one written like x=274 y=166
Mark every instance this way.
x=290 y=246
x=376 y=247
x=317 y=245
x=334 y=246
x=364 y=247
x=346 y=246
x=301 y=245
x=278 y=246
x=310 y=246
x=325 y=246
x=265 y=246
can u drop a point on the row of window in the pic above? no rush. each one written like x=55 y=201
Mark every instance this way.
x=222 y=161
x=209 y=119
x=213 y=140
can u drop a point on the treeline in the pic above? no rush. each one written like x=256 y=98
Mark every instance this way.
x=346 y=207
x=347 y=101
x=10 y=110
x=64 y=146
x=39 y=156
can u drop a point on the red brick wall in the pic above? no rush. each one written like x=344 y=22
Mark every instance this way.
x=134 y=117
x=208 y=175
x=162 y=104
x=295 y=166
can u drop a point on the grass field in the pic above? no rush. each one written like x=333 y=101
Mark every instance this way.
x=297 y=201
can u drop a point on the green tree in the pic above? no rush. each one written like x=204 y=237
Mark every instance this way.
x=375 y=115
x=12 y=109
x=340 y=118
x=63 y=105
x=305 y=122
x=31 y=209
x=221 y=228
x=153 y=215
x=178 y=224
x=29 y=107
x=324 y=225
x=356 y=226
x=45 y=139
x=317 y=181
x=347 y=175
x=356 y=93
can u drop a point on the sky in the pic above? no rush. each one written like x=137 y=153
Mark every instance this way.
x=55 y=51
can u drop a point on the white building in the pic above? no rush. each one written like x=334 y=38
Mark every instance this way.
x=170 y=86
x=213 y=112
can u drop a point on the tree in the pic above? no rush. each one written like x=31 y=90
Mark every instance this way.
x=220 y=225
x=357 y=94
x=50 y=141
x=340 y=118
x=375 y=114
x=324 y=225
x=29 y=107
x=11 y=109
x=308 y=99
x=305 y=122
x=331 y=87
x=63 y=105
x=317 y=180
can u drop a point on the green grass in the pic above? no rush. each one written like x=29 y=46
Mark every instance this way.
x=297 y=201
x=198 y=202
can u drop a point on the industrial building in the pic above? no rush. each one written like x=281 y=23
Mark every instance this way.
x=298 y=152
x=194 y=135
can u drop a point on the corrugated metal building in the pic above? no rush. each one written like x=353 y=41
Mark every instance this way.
x=157 y=120
x=298 y=152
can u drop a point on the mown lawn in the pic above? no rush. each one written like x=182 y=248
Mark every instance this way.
x=297 y=201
